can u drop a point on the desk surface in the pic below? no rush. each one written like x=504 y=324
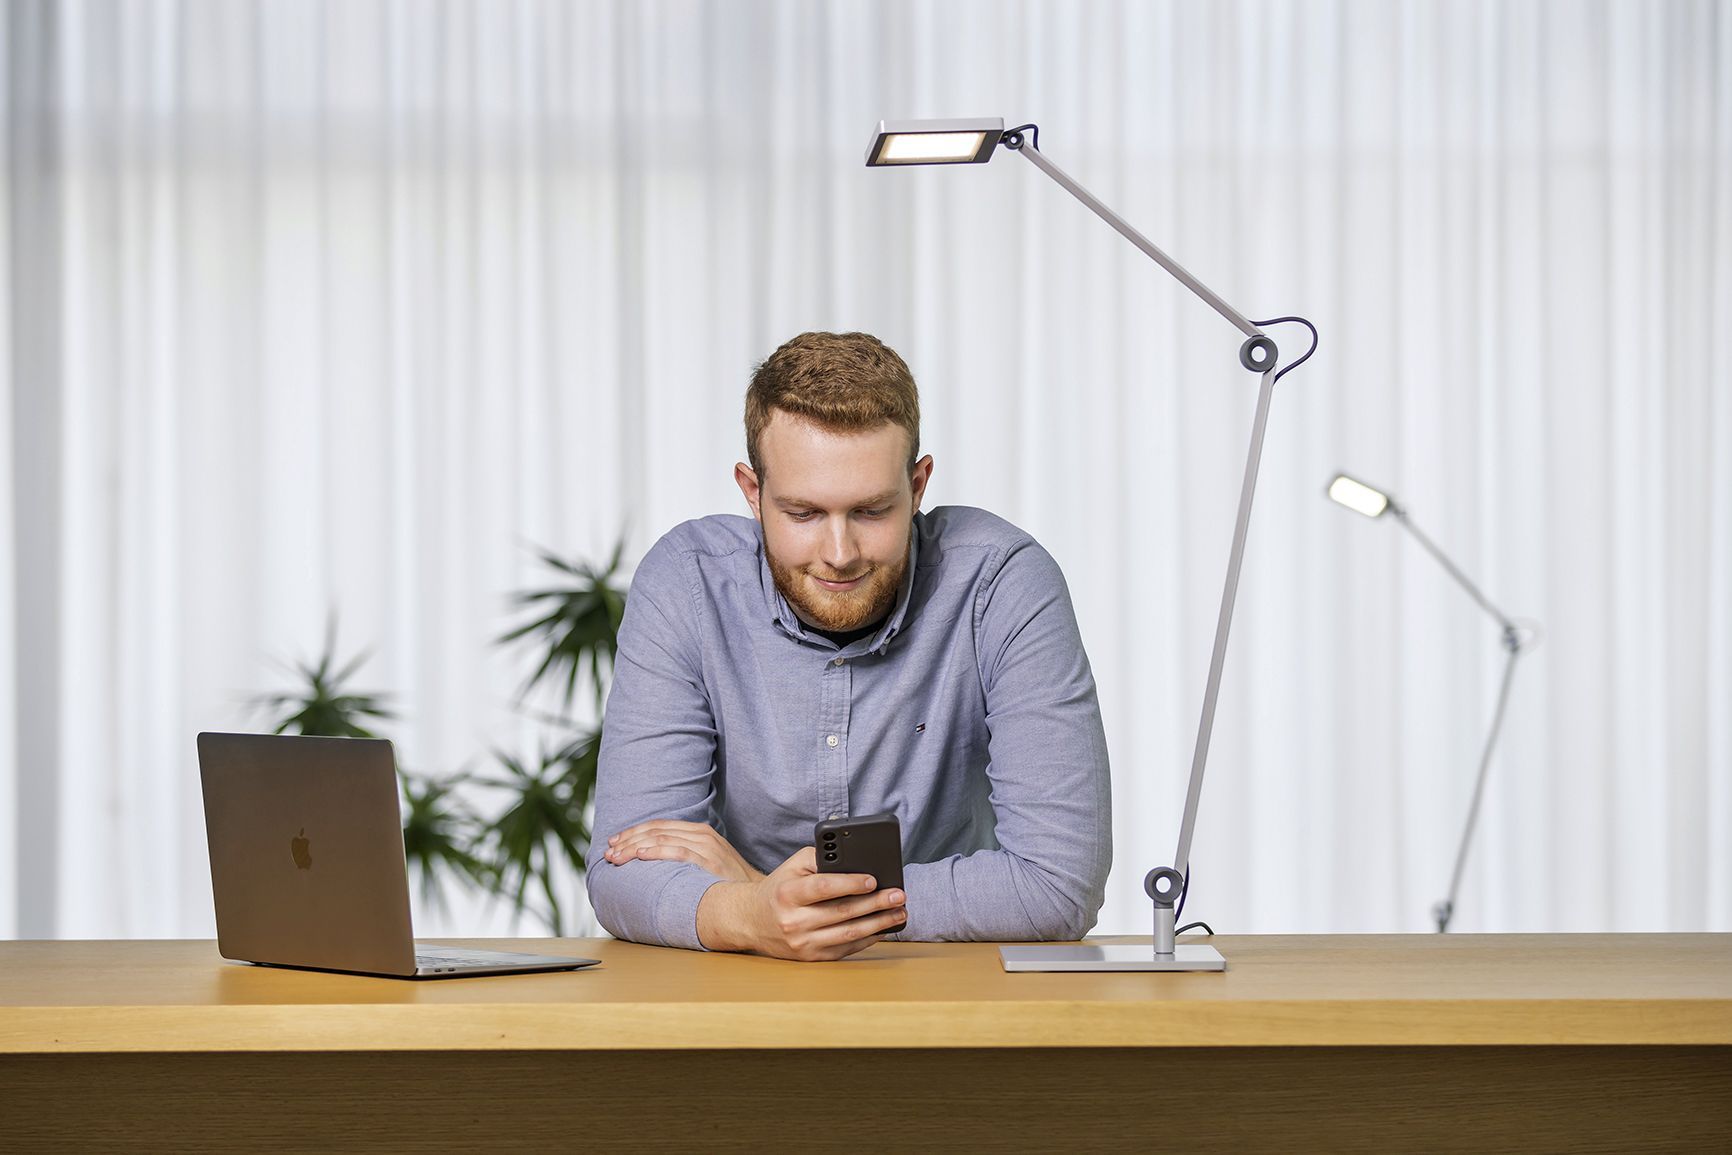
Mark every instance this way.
x=1342 y=990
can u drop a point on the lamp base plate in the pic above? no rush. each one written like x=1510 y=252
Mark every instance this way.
x=1116 y=957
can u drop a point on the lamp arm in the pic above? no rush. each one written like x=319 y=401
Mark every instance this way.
x=1165 y=884
x=1034 y=157
x=1503 y=619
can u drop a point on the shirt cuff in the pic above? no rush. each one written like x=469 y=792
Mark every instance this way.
x=676 y=908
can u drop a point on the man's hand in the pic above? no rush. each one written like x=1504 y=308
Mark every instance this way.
x=797 y=913
x=665 y=840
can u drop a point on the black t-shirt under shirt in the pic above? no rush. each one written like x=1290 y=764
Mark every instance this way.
x=843 y=637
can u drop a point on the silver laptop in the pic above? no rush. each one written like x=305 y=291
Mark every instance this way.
x=306 y=861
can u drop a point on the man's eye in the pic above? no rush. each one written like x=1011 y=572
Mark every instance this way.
x=804 y=515
x=876 y=512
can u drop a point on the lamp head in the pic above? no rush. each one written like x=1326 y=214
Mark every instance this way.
x=1359 y=497
x=898 y=142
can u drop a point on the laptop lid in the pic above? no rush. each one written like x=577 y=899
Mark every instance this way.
x=306 y=851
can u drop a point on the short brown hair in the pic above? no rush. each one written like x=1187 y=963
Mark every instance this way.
x=840 y=382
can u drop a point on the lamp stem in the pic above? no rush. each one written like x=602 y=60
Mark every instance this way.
x=1229 y=595
x=1445 y=910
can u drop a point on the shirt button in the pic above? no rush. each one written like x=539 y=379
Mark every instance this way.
x=830 y=741
x=838 y=661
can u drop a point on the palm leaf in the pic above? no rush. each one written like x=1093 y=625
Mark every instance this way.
x=542 y=822
x=438 y=833
x=320 y=706
x=576 y=623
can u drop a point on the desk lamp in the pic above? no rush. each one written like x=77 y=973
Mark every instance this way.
x=1374 y=503
x=896 y=143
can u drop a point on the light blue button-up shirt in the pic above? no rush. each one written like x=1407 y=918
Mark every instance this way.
x=970 y=713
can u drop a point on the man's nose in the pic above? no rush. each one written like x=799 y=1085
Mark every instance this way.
x=840 y=552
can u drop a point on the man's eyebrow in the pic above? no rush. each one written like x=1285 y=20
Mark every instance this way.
x=802 y=503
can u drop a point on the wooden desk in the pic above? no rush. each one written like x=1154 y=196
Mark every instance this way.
x=1343 y=1043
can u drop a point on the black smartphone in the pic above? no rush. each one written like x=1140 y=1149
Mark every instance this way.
x=870 y=844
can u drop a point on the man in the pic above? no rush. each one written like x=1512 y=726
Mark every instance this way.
x=843 y=653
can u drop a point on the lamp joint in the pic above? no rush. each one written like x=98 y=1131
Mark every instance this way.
x=1258 y=354
x=1013 y=138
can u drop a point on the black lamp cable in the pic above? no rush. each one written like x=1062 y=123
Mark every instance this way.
x=1184 y=889
x=1012 y=138
x=1308 y=352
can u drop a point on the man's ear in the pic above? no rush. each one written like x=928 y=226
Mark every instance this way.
x=747 y=480
x=921 y=475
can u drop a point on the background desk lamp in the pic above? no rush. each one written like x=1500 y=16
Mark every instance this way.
x=1373 y=502
x=974 y=142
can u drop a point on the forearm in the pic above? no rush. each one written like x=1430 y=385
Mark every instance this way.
x=658 y=748
x=996 y=896
x=724 y=915
x=649 y=902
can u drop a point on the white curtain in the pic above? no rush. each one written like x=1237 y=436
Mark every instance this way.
x=338 y=306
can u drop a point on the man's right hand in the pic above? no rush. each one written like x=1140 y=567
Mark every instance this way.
x=795 y=912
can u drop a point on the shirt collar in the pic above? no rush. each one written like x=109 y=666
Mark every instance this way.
x=783 y=614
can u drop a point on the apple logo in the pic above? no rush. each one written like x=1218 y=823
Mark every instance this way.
x=298 y=848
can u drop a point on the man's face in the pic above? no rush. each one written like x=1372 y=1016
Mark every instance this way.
x=837 y=511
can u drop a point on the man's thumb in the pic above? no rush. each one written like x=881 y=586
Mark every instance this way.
x=802 y=861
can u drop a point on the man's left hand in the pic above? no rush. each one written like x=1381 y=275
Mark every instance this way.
x=665 y=840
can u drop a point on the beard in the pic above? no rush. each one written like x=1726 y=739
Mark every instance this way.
x=840 y=610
